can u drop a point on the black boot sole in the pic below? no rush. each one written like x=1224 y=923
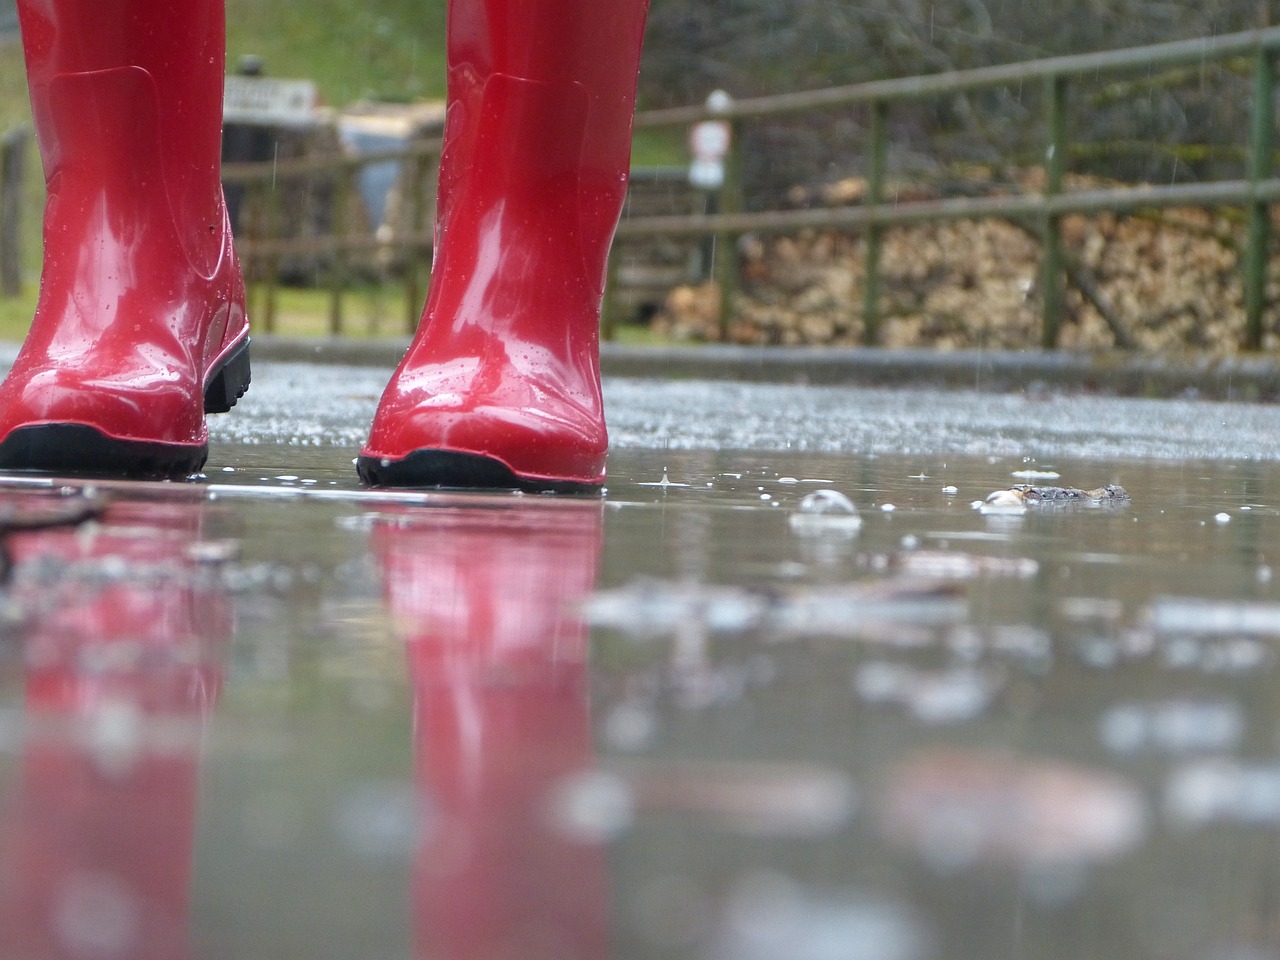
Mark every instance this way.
x=74 y=448
x=447 y=470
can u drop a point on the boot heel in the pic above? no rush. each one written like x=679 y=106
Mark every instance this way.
x=230 y=381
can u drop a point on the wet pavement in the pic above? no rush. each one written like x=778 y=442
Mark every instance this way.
x=792 y=688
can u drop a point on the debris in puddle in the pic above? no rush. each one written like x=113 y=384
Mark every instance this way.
x=931 y=696
x=1017 y=498
x=1172 y=726
x=1222 y=789
x=958 y=808
x=825 y=512
x=768 y=915
x=649 y=607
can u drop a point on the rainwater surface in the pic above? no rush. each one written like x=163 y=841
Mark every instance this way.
x=269 y=714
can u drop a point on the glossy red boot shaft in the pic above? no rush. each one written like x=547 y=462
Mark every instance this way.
x=140 y=327
x=501 y=386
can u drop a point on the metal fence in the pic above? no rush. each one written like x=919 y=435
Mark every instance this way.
x=1254 y=193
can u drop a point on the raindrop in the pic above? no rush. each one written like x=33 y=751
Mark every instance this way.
x=666 y=481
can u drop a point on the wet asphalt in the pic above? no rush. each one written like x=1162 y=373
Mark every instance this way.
x=681 y=400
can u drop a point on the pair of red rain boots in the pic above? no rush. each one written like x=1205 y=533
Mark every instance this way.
x=140 y=328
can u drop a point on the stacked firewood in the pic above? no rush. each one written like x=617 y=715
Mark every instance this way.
x=1156 y=281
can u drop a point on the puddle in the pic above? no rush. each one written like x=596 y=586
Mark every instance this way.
x=736 y=708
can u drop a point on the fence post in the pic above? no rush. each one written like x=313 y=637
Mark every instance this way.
x=1052 y=279
x=274 y=234
x=13 y=149
x=726 y=247
x=875 y=233
x=343 y=189
x=1260 y=147
x=417 y=182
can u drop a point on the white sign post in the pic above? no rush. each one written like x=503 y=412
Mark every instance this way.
x=709 y=143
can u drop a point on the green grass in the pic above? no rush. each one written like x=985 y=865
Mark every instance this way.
x=384 y=49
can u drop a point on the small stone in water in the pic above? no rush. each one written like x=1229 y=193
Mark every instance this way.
x=887 y=508
x=1222 y=518
x=950 y=490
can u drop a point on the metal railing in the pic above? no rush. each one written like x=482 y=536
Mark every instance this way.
x=262 y=246
x=1255 y=193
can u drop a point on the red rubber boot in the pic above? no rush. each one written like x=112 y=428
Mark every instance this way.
x=140 y=326
x=501 y=386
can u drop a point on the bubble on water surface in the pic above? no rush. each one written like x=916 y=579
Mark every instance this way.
x=823 y=512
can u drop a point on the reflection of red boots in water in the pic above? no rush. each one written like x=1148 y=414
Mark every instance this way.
x=497 y=660
x=140 y=328
x=121 y=672
x=501 y=386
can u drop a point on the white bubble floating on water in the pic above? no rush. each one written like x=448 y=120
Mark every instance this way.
x=824 y=512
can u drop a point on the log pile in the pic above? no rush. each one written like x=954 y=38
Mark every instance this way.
x=1155 y=281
